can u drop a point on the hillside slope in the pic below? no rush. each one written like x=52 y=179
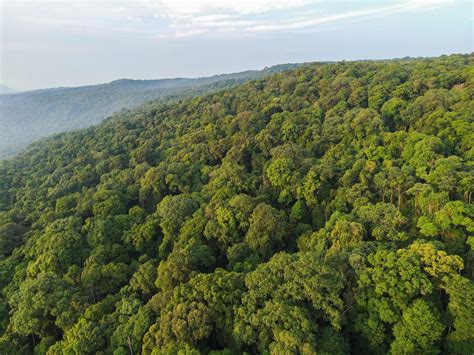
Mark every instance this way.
x=323 y=210
x=28 y=116
x=6 y=90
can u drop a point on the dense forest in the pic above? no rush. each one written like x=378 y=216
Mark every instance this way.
x=28 y=116
x=322 y=210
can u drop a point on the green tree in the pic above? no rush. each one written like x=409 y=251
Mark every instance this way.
x=419 y=331
x=267 y=230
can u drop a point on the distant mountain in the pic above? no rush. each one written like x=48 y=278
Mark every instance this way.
x=29 y=116
x=6 y=90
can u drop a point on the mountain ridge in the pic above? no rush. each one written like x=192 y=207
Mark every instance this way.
x=31 y=115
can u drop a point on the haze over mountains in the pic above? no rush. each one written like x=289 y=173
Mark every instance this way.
x=29 y=116
x=6 y=90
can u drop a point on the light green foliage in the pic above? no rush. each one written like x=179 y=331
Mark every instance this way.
x=173 y=211
x=182 y=264
x=344 y=232
x=393 y=112
x=391 y=281
x=61 y=246
x=267 y=230
x=323 y=210
x=198 y=311
x=460 y=339
x=143 y=280
x=419 y=330
x=280 y=172
x=383 y=220
x=38 y=303
x=287 y=296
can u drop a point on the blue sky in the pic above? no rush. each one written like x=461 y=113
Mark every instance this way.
x=70 y=43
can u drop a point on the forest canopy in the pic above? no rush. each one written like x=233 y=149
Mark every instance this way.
x=323 y=210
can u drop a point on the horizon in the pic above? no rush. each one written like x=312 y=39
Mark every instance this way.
x=56 y=44
x=16 y=91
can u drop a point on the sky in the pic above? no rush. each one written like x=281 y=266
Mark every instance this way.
x=47 y=43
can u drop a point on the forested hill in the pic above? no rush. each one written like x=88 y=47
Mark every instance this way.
x=28 y=116
x=324 y=210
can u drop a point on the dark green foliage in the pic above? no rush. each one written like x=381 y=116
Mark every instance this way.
x=323 y=210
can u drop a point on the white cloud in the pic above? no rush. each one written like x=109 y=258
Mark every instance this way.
x=197 y=7
x=246 y=17
x=355 y=14
x=185 y=18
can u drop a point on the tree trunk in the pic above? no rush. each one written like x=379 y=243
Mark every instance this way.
x=399 y=190
x=129 y=345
